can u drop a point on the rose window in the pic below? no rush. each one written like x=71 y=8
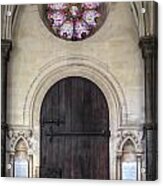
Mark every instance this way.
x=74 y=21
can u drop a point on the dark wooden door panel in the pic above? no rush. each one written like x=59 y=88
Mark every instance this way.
x=74 y=131
x=77 y=157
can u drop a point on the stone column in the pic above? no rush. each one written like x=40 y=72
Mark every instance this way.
x=139 y=162
x=118 y=167
x=5 y=50
x=148 y=45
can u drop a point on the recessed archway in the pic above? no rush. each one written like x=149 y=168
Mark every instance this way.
x=84 y=67
x=74 y=138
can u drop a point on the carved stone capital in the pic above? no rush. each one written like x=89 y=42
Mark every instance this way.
x=151 y=126
x=6 y=46
x=148 y=44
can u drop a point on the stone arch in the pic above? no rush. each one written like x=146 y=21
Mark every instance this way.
x=58 y=69
x=9 y=19
x=135 y=136
x=21 y=141
x=124 y=142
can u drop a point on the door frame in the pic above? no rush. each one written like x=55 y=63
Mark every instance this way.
x=56 y=70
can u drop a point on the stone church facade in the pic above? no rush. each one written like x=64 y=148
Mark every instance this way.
x=120 y=58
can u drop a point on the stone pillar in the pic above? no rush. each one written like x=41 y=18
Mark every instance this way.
x=139 y=166
x=119 y=169
x=5 y=50
x=148 y=45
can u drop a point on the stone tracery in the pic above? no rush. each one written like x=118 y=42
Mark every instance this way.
x=74 y=21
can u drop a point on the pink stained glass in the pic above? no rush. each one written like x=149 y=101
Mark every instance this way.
x=57 y=18
x=73 y=21
x=81 y=29
x=90 y=5
x=90 y=17
x=66 y=30
x=57 y=6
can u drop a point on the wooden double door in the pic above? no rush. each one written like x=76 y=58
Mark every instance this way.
x=74 y=138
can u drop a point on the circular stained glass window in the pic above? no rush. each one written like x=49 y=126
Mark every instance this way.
x=74 y=21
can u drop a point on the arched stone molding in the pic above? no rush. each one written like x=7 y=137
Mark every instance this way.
x=58 y=69
x=145 y=14
x=136 y=8
x=9 y=19
x=21 y=138
x=21 y=145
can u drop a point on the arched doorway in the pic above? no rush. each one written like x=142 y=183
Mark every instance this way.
x=74 y=131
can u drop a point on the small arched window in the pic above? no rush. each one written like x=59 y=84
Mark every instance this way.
x=129 y=162
x=21 y=159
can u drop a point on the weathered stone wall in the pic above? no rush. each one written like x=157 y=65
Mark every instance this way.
x=113 y=49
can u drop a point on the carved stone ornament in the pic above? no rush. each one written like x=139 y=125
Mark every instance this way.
x=14 y=135
x=135 y=136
